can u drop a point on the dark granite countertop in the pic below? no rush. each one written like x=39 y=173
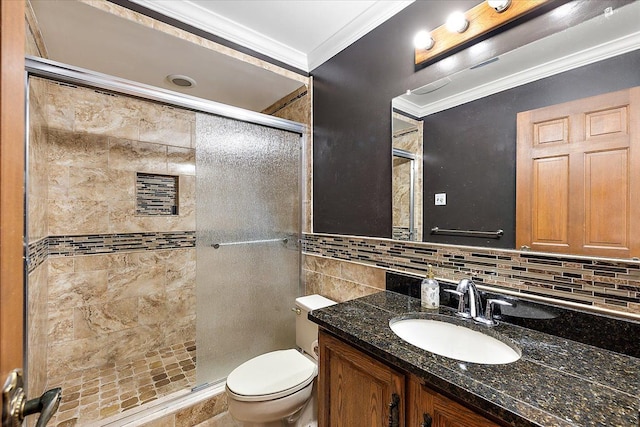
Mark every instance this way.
x=557 y=382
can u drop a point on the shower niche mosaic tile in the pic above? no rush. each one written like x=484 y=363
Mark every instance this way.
x=156 y=194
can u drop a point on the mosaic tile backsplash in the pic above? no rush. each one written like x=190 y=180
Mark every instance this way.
x=591 y=282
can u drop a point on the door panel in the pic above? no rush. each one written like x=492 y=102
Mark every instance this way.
x=606 y=192
x=551 y=202
x=606 y=123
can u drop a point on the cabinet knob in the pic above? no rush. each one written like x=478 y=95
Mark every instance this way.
x=427 y=420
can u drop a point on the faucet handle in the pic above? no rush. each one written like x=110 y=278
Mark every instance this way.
x=461 y=308
x=488 y=314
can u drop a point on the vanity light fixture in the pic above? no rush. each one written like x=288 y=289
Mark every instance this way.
x=457 y=23
x=462 y=29
x=423 y=40
x=499 y=5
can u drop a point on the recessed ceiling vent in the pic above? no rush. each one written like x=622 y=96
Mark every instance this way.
x=485 y=63
x=181 y=81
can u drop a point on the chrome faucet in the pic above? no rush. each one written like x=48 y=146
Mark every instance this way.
x=467 y=287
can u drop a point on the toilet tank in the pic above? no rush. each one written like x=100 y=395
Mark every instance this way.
x=306 y=330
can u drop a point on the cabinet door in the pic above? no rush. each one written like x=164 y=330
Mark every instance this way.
x=357 y=390
x=443 y=412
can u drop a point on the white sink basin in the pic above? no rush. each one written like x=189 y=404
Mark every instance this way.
x=453 y=341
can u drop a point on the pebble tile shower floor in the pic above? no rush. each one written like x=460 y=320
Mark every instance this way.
x=94 y=394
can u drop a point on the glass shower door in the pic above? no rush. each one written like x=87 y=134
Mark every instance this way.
x=247 y=231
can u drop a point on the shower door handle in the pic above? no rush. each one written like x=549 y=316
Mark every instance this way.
x=15 y=406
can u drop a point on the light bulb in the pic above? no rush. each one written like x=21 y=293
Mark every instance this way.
x=423 y=40
x=499 y=5
x=457 y=23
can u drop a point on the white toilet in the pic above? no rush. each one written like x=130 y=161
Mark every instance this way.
x=274 y=389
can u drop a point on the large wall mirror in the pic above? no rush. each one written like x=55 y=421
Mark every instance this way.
x=470 y=128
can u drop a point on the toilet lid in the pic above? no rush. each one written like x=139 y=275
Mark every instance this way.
x=275 y=374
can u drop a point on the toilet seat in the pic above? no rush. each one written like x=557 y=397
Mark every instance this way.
x=271 y=376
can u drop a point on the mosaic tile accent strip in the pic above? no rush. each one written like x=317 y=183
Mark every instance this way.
x=91 y=244
x=37 y=253
x=97 y=393
x=594 y=282
x=156 y=194
x=401 y=233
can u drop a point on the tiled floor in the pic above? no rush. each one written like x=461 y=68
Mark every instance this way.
x=95 y=394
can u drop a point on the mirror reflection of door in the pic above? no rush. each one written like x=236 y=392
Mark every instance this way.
x=577 y=176
x=407 y=178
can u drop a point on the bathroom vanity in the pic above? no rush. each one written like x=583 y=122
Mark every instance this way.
x=370 y=376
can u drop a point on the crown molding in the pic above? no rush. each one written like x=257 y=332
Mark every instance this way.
x=361 y=25
x=594 y=54
x=204 y=19
x=211 y=22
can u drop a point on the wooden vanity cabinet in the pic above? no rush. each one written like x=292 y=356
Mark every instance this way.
x=442 y=412
x=356 y=390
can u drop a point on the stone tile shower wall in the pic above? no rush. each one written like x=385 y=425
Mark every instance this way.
x=297 y=107
x=340 y=280
x=120 y=283
x=38 y=170
x=612 y=285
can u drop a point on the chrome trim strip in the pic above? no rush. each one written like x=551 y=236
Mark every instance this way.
x=403 y=153
x=70 y=74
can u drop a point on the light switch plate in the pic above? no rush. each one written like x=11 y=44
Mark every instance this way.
x=441 y=199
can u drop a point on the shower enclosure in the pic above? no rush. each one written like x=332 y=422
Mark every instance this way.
x=160 y=227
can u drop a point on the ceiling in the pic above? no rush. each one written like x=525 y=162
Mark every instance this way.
x=302 y=34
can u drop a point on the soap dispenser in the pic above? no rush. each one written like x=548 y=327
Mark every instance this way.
x=430 y=291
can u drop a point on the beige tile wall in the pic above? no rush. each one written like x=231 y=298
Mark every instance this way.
x=340 y=280
x=297 y=107
x=104 y=308
x=37 y=328
x=96 y=144
x=37 y=230
x=202 y=414
x=38 y=166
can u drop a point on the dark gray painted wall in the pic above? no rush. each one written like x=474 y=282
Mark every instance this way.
x=352 y=126
x=352 y=102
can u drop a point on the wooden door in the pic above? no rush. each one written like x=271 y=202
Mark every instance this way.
x=442 y=411
x=355 y=389
x=578 y=176
x=12 y=31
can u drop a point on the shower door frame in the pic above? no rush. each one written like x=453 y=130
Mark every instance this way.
x=56 y=71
